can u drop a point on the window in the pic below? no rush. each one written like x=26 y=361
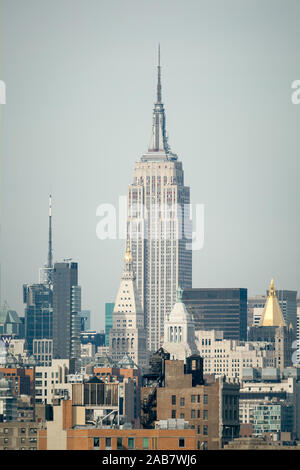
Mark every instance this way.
x=181 y=415
x=108 y=443
x=205 y=430
x=181 y=442
x=130 y=443
x=96 y=442
x=181 y=401
x=193 y=414
x=173 y=414
x=198 y=413
x=205 y=399
x=205 y=414
x=119 y=443
x=145 y=443
x=173 y=399
x=5 y=430
x=193 y=398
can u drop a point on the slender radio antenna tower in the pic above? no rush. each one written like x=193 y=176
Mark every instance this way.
x=50 y=255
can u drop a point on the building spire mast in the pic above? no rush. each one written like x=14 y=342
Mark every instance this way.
x=158 y=77
x=159 y=140
x=50 y=257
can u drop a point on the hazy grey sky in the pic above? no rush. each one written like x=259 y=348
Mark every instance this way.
x=81 y=77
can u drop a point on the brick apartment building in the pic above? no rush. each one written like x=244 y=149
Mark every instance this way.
x=117 y=373
x=19 y=436
x=211 y=408
x=23 y=379
x=61 y=434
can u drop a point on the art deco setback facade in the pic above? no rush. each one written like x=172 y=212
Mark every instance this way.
x=159 y=237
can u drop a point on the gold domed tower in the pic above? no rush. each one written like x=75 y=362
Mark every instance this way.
x=272 y=314
x=273 y=329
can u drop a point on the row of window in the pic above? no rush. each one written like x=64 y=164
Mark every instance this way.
x=194 y=414
x=23 y=440
x=129 y=443
x=21 y=448
x=194 y=399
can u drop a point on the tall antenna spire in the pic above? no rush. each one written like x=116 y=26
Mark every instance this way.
x=158 y=77
x=50 y=261
x=159 y=140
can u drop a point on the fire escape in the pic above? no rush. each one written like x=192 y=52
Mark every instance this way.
x=153 y=380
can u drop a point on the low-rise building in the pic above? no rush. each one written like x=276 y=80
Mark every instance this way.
x=19 y=436
x=8 y=401
x=42 y=350
x=105 y=402
x=273 y=416
x=62 y=434
x=22 y=379
x=259 y=385
x=51 y=381
x=261 y=443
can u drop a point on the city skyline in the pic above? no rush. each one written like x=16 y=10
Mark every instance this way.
x=245 y=174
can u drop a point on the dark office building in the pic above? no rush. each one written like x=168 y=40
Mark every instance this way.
x=98 y=339
x=288 y=303
x=66 y=310
x=38 y=313
x=218 y=309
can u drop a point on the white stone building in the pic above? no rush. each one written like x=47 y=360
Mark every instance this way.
x=228 y=357
x=179 y=336
x=128 y=335
x=51 y=381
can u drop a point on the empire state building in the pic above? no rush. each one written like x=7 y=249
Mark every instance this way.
x=158 y=226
